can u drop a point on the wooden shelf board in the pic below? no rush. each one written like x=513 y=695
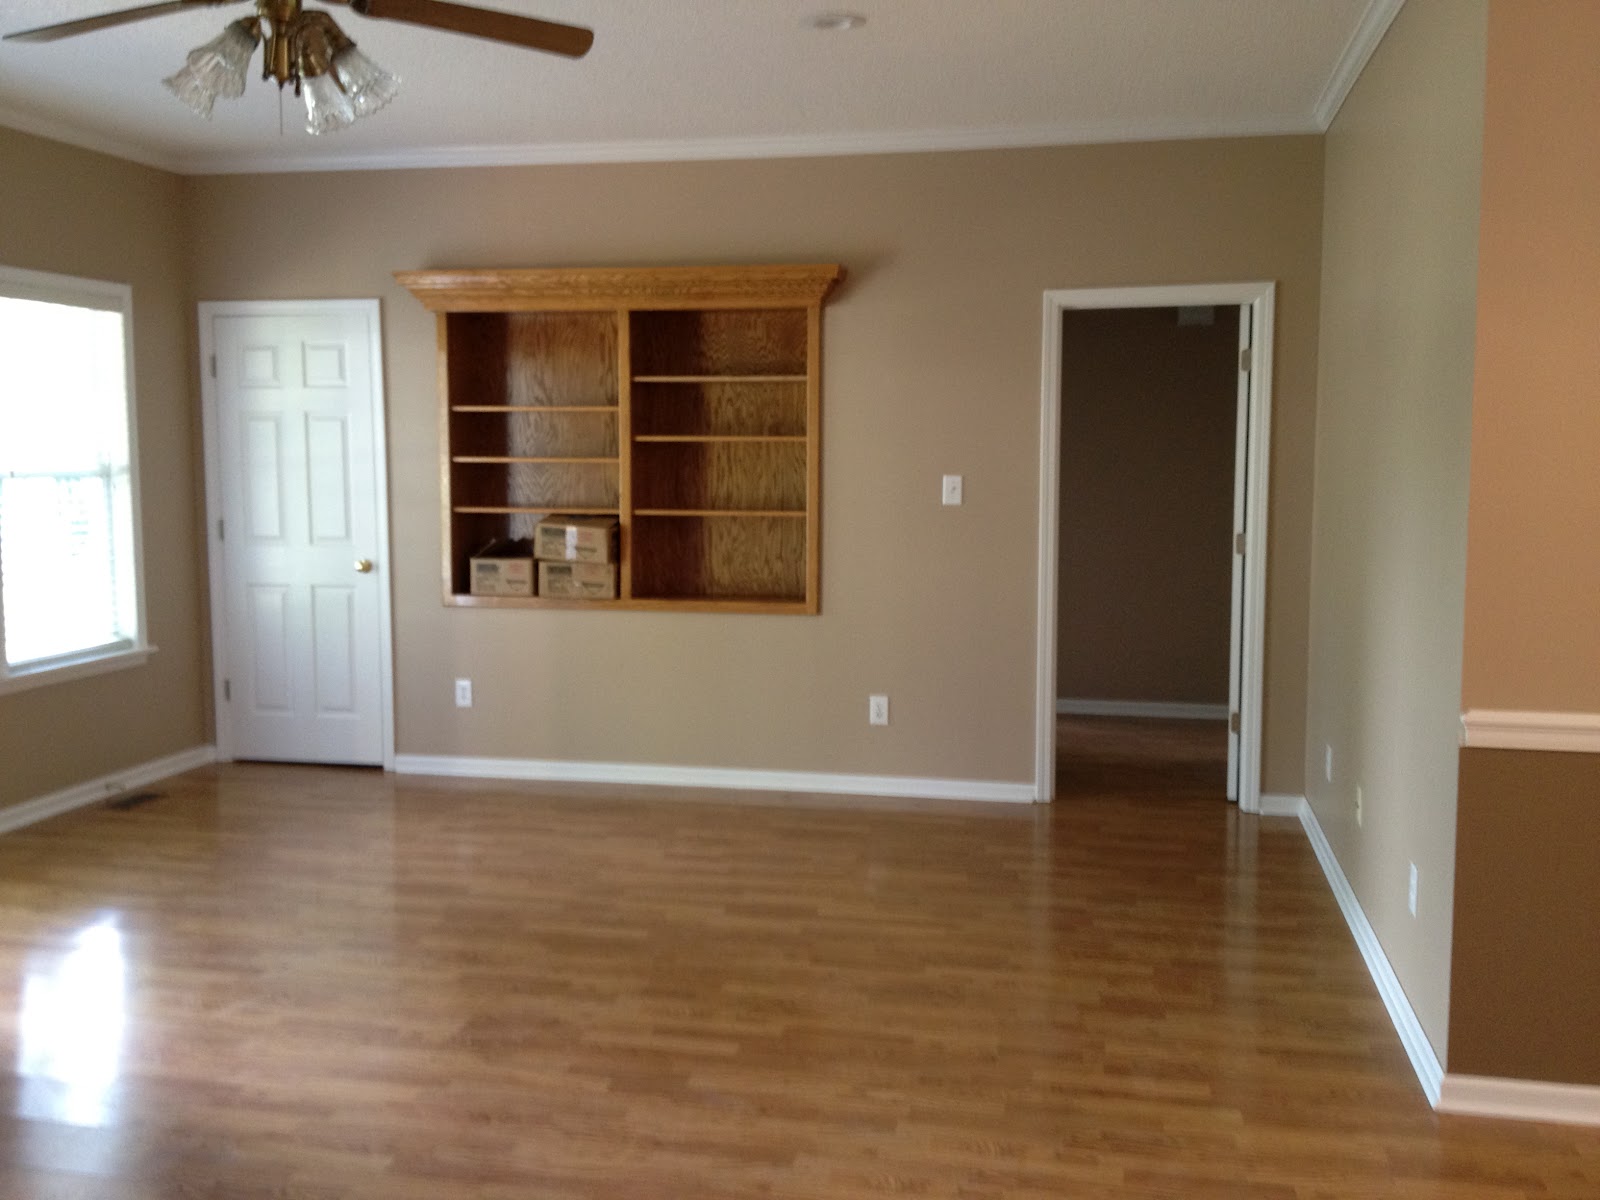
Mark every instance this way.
x=748 y=604
x=730 y=604
x=798 y=514
x=492 y=459
x=719 y=378
x=574 y=509
x=720 y=437
x=549 y=408
x=468 y=601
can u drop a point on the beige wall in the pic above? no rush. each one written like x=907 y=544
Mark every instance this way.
x=1394 y=410
x=1148 y=409
x=1533 y=637
x=1526 y=979
x=78 y=213
x=932 y=366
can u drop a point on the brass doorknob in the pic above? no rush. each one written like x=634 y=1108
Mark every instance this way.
x=364 y=566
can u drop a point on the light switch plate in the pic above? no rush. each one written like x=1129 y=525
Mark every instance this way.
x=952 y=489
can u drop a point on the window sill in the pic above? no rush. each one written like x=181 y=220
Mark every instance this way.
x=21 y=680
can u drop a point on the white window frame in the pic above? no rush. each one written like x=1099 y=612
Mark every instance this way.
x=106 y=296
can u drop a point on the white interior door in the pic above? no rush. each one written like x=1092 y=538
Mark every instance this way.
x=295 y=473
x=1236 y=640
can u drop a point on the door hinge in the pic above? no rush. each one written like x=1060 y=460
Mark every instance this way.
x=222 y=530
x=213 y=366
x=1244 y=360
x=1233 y=722
x=1238 y=543
x=227 y=690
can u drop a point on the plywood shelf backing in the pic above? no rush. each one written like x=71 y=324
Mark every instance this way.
x=684 y=400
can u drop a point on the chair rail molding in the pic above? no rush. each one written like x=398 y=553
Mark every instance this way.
x=1516 y=729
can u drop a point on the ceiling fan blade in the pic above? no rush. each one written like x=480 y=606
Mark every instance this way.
x=49 y=33
x=571 y=40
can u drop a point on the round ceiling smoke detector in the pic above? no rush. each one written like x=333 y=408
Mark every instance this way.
x=836 y=22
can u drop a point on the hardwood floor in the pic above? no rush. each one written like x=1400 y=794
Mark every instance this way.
x=1097 y=756
x=323 y=984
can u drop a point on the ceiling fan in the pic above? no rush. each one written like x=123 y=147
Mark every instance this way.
x=306 y=49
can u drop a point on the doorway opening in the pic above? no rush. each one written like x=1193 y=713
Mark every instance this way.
x=1152 y=547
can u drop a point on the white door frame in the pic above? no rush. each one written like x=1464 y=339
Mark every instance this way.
x=217 y=547
x=1261 y=298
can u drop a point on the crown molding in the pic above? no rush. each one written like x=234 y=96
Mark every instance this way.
x=719 y=149
x=822 y=145
x=1358 y=52
x=87 y=139
x=604 y=288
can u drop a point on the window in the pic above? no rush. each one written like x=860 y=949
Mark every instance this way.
x=71 y=596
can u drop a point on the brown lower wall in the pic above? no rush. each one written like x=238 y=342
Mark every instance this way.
x=1525 y=975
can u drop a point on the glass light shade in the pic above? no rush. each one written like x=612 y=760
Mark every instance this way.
x=368 y=85
x=217 y=68
x=327 y=107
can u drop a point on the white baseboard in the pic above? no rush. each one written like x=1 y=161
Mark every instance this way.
x=1468 y=1095
x=1430 y=1074
x=1521 y=1099
x=1499 y=729
x=42 y=807
x=1280 y=804
x=1164 y=709
x=563 y=771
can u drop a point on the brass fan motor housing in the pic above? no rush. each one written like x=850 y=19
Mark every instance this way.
x=279 y=18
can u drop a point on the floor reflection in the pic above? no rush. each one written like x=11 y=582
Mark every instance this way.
x=70 y=1028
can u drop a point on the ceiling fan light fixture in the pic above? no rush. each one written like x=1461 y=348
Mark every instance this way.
x=327 y=107
x=368 y=85
x=216 y=68
x=306 y=49
x=337 y=82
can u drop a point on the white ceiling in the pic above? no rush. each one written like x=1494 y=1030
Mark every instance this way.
x=720 y=79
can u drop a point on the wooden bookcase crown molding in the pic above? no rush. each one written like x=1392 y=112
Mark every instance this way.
x=684 y=401
x=599 y=288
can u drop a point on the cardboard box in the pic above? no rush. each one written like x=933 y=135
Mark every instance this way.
x=578 y=580
x=502 y=568
x=576 y=539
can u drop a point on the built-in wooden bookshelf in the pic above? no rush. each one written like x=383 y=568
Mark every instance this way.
x=686 y=401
